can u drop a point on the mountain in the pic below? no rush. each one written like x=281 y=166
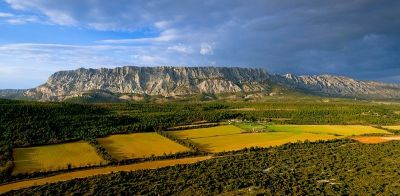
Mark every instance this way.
x=137 y=83
x=12 y=93
x=339 y=86
x=154 y=81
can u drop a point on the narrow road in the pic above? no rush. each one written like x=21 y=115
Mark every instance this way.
x=98 y=171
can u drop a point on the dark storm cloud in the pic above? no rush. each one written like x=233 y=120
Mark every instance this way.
x=359 y=38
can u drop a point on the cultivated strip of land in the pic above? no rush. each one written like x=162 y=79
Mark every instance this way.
x=55 y=157
x=376 y=139
x=393 y=127
x=99 y=171
x=139 y=145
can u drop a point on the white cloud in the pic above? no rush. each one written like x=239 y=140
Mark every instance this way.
x=18 y=20
x=180 y=48
x=59 y=17
x=103 y=26
x=6 y=15
x=162 y=24
x=55 y=16
x=207 y=48
x=18 y=5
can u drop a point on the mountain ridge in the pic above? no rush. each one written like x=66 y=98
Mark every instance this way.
x=164 y=81
x=339 y=86
x=170 y=81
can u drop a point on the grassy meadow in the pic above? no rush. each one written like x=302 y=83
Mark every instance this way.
x=139 y=145
x=54 y=157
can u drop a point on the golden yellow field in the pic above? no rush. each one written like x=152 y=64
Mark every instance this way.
x=370 y=140
x=98 y=171
x=226 y=138
x=376 y=139
x=139 y=145
x=240 y=141
x=207 y=132
x=342 y=130
x=54 y=157
x=393 y=127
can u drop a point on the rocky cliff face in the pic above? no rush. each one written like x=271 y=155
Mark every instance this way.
x=164 y=81
x=339 y=86
x=179 y=81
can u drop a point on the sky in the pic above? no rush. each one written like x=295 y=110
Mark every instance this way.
x=355 y=38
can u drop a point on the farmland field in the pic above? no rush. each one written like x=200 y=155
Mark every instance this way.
x=139 y=145
x=240 y=141
x=393 y=127
x=208 y=132
x=339 y=130
x=54 y=157
x=229 y=137
x=375 y=139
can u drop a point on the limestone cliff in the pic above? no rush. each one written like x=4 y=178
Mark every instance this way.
x=164 y=81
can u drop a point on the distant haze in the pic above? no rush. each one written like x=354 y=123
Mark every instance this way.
x=359 y=38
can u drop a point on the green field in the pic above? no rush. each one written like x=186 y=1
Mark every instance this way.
x=54 y=157
x=229 y=137
x=338 y=130
x=139 y=145
x=207 y=132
